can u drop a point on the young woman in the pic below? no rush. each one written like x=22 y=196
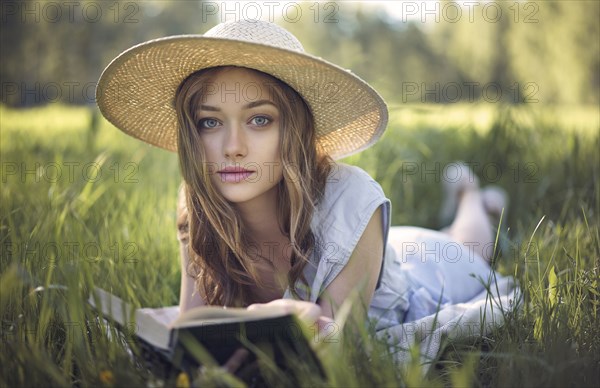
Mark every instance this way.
x=265 y=213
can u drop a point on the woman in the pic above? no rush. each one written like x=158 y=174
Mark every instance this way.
x=265 y=214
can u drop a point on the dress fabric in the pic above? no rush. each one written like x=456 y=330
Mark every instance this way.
x=423 y=270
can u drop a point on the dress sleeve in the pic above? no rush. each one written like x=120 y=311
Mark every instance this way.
x=351 y=198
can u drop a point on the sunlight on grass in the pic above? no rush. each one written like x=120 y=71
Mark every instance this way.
x=84 y=205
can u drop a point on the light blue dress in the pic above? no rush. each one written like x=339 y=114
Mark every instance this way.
x=422 y=270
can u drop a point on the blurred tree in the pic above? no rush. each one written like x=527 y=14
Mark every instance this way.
x=56 y=51
x=385 y=52
x=559 y=53
x=546 y=51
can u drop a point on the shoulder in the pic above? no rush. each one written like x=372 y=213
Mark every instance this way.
x=350 y=201
x=349 y=183
x=351 y=198
x=342 y=173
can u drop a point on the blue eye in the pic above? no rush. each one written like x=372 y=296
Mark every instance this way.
x=261 y=121
x=208 y=123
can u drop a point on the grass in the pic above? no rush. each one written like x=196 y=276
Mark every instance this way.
x=83 y=204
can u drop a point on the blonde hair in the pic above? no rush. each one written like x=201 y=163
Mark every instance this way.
x=218 y=250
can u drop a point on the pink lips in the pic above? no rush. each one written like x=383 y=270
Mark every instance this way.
x=234 y=174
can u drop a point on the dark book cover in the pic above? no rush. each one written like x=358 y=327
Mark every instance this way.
x=276 y=342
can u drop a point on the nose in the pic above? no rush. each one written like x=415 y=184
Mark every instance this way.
x=234 y=145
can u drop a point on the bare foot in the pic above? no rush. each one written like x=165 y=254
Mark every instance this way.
x=457 y=178
x=495 y=200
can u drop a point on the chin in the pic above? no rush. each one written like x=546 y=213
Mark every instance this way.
x=241 y=195
x=238 y=194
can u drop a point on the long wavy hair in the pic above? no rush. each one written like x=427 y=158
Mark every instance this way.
x=218 y=248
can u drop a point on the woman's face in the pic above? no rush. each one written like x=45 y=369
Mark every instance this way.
x=239 y=126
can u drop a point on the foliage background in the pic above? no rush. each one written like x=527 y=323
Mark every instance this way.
x=544 y=51
x=542 y=135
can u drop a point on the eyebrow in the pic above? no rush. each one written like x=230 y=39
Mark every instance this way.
x=250 y=105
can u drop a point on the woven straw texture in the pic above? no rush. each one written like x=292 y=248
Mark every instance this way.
x=136 y=91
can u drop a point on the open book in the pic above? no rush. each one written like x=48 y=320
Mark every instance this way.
x=184 y=341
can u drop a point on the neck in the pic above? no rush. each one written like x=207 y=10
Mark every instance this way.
x=262 y=227
x=261 y=218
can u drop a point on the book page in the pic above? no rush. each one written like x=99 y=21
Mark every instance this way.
x=164 y=315
x=215 y=315
x=148 y=324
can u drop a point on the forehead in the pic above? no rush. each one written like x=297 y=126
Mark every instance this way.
x=238 y=85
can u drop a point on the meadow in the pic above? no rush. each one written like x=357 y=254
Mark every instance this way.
x=84 y=205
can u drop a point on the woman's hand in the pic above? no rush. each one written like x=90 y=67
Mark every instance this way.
x=307 y=312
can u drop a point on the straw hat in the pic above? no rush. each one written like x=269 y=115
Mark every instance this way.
x=137 y=89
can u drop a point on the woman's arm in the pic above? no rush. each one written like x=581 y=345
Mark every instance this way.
x=187 y=298
x=362 y=269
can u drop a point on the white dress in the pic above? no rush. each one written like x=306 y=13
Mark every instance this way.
x=423 y=270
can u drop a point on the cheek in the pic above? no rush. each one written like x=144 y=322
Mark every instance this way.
x=210 y=147
x=275 y=147
x=276 y=153
x=266 y=146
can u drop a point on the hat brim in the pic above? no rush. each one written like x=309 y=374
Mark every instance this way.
x=136 y=90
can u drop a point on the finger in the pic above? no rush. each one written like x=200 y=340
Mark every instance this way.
x=309 y=312
x=255 y=306
x=306 y=311
x=236 y=360
x=325 y=323
x=280 y=303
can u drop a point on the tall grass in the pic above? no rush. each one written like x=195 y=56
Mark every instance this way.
x=84 y=205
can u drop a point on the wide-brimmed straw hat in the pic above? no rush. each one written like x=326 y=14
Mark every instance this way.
x=136 y=90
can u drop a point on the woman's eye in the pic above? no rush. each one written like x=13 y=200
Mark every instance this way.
x=208 y=123
x=261 y=121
